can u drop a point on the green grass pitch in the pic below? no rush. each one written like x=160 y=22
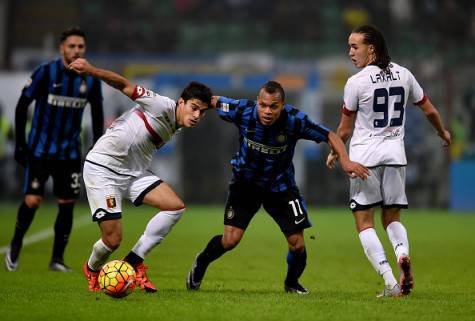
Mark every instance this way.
x=247 y=283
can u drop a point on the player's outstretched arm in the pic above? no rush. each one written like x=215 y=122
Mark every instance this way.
x=344 y=131
x=352 y=169
x=433 y=116
x=82 y=66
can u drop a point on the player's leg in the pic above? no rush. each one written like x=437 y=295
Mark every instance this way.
x=394 y=200
x=66 y=179
x=36 y=174
x=296 y=263
x=374 y=250
x=289 y=211
x=104 y=195
x=365 y=195
x=243 y=201
x=152 y=191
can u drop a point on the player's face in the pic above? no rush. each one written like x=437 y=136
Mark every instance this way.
x=269 y=107
x=361 y=54
x=190 y=113
x=72 y=48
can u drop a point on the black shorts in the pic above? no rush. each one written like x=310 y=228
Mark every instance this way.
x=66 y=177
x=288 y=209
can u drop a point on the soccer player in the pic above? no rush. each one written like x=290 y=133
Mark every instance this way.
x=54 y=144
x=373 y=115
x=117 y=168
x=263 y=174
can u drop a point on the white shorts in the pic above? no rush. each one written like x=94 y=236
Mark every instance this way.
x=385 y=187
x=105 y=190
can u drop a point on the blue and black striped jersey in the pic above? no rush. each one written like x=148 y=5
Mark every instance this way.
x=60 y=98
x=265 y=152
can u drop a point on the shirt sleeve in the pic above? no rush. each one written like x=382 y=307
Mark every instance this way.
x=36 y=84
x=416 y=93
x=151 y=101
x=313 y=131
x=350 y=96
x=230 y=109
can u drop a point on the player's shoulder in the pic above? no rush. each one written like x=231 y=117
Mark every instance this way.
x=293 y=112
x=143 y=93
x=401 y=70
x=45 y=65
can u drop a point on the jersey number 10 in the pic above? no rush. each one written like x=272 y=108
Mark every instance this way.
x=381 y=105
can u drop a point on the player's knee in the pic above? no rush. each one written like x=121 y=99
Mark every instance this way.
x=112 y=240
x=33 y=201
x=298 y=247
x=176 y=206
x=230 y=243
x=296 y=244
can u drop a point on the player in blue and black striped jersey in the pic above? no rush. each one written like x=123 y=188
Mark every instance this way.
x=54 y=144
x=263 y=174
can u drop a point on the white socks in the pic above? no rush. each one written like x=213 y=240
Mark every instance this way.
x=375 y=253
x=157 y=228
x=398 y=235
x=100 y=254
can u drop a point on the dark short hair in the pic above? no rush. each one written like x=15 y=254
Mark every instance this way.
x=372 y=36
x=197 y=90
x=73 y=31
x=272 y=87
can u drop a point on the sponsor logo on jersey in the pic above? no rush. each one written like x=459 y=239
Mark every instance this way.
x=353 y=205
x=110 y=201
x=67 y=102
x=271 y=150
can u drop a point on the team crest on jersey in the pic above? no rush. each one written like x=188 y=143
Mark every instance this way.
x=229 y=213
x=110 y=201
x=281 y=138
x=83 y=87
x=35 y=184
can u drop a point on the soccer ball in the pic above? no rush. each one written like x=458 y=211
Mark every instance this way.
x=117 y=279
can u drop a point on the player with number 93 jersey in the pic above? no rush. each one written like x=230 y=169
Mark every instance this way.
x=373 y=115
x=380 y=99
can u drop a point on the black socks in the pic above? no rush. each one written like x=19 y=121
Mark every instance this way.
x=296 y=263
x=133 y=259
x=62 y=230
x=24 y=218
x=213 y=251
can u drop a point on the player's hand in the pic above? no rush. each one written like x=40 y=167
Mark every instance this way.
x=214 y=101
x=21 y=154
x=354 y=169
x=80 y=66
x=445 y=135
x=332 y=158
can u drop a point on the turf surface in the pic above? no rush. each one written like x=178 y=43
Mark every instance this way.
x=247 y=283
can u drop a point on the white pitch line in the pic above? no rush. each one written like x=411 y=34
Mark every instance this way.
x=49 y=232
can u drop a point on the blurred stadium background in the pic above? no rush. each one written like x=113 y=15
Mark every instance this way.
x=235 y=46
